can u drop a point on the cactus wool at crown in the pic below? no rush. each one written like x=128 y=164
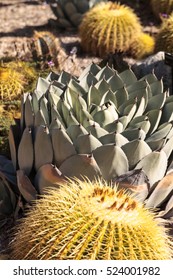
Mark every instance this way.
x=84 y=220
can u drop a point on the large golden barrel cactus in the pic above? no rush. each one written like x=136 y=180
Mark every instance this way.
x=164 y=37
x=109 y=27
x=162 y=7
x=85 y=220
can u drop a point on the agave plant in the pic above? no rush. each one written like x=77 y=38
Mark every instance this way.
x=46 y=48
x=69 y=13
x=101 y=124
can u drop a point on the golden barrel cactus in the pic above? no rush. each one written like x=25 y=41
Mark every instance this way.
x=108 y=27
x=10 y=83
x=90 y=220
x=164 y=37
x=14 y=77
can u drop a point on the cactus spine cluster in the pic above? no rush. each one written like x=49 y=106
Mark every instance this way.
x=162 y=7
x=164 y=36
x=84 y=220
x=109 y=27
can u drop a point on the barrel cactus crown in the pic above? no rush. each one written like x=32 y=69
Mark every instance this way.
x=164 y=36
x=107 y=28
x=85 y=220
x=69 y=13
x=162 y=7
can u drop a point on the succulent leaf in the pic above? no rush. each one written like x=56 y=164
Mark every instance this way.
x=43 y=152
x=62 y=146
x=26 y=156
x=25 y=186
x=154 y=165
x=161 y=192
x=46 y=176
x=86 y=144
x=135 y=151
x=107 y=157
x=80 y=166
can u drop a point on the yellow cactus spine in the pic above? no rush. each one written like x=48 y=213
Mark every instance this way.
x=108 y=27
x=90 y=220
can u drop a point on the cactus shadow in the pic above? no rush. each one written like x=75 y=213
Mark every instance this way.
x=27 y=31
x=29 y=2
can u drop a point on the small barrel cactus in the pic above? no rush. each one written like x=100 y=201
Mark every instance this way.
x=46 y=49
x=14 y=77
x=11 y=85
x=109 y=27
x=142 y=46
x=164 y=37
x=85 y=220
x=162 y=7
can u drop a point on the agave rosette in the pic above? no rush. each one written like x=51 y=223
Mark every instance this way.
x=101 y=124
